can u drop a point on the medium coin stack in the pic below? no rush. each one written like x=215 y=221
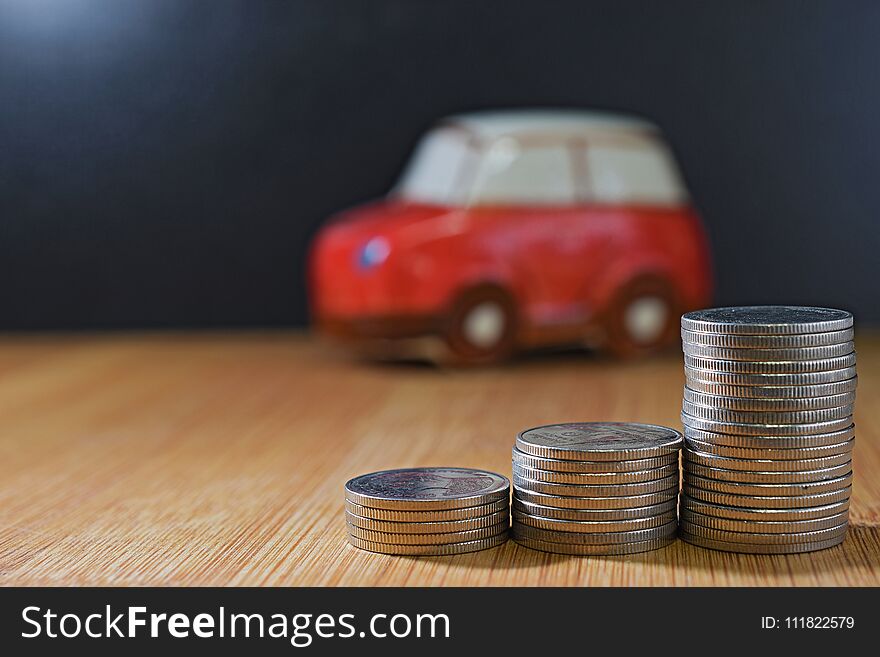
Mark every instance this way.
x=768 y=424
x=595 y=488
x=427 y=511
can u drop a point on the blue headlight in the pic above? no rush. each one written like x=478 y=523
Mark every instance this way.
x=373 y=253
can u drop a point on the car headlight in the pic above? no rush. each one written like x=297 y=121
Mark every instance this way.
x=373 y=253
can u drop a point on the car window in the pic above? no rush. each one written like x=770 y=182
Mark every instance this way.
x=434 y=173
x=633 y=174
x=510 y=173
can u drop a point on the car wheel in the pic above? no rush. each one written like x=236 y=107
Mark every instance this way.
x=643 y=318
x=482 y=326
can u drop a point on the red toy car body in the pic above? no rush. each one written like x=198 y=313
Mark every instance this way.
x=519 y=229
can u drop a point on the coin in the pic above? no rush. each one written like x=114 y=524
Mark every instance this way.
x=765 y=526
x=448 y=515
x=757 y=548
x=762 y=487
x=595 y=477
x=566 y=465
x=769 y=367
x=755 y=501
x=427 y=539
x=773 y=453
x=776 y=442
x=767 y=320
x=774 y=391
x=774 y=405
x=717 y=414
x=596 y=550
x=799 y=478
x=610 y=490
x=427 y=488
x=696 y=377
x=764 y=465
x=584 y=538
x=430 y=550
x=591 y=526
x=391 y=527
x=596 y=503
x=762 y=538
x=754 y=389
x=773 y=515
x=599 y=441
x=594 y=514
x=755 y=429
x=786 y=354
x=767 y=341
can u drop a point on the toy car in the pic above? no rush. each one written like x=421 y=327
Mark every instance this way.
x=518 y=229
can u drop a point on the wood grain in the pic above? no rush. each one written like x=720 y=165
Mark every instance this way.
x=219 y=459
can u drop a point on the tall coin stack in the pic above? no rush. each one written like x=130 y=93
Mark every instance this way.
x=427 y=511
x=595 y=488
x=768 y=417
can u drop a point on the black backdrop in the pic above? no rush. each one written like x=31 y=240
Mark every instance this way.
x=165 y=162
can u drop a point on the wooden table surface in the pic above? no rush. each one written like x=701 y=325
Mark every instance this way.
x=208 y=459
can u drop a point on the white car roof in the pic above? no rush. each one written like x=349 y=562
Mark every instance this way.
x=546 y=122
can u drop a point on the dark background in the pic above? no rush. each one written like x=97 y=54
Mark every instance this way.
x=563 y=616
x=165 y=162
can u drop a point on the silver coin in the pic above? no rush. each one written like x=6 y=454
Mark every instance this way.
x=593 y=527
x=775 y=442
x=800 y=477
x=717 y=414
x=764 y=526
x=771 y=453
x=429 y=550
x=767 y=320
x=566 y=465
x=745 y=548
x=427 y=488
x=583 y=538
x=610 y=490
x=596 y=550
x=622 y=502
x=771 y=515
x=764 y=465
x=467 y=512
x=768 y=404
x=590 y=478
x=775 y=391
x=391 y=527
x=767 y=341
x=696 y=377
x=600 y=441
x=762 y=538
x=755 y=429
x=789 y=354
x=598 y=515
x=767 y=486
x=770 y=367
x=755 y=501
x=427 y=539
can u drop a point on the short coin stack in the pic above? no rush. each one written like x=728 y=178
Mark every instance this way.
x=595 y=488
x=427 y=511
x=768 y=415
